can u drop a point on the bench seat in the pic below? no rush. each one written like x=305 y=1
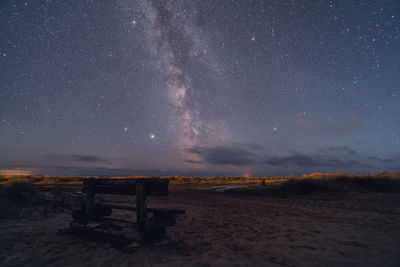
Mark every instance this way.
x=133 y=207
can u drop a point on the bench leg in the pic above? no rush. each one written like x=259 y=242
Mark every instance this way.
x=155 y=228
x=151 y=235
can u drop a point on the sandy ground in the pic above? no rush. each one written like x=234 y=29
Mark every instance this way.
x=224 y=229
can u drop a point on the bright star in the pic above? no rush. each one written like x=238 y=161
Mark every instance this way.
x=125 y=129
x=275 y=129
x=152 y=136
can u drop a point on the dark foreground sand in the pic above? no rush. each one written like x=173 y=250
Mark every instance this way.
x=224 y=229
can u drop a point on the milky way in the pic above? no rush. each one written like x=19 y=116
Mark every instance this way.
x=199 y=87
x=185 y=62
x=173 y=32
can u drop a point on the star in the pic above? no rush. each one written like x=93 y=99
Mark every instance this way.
x=209 y=83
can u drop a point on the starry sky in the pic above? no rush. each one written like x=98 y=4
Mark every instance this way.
x=176 y=87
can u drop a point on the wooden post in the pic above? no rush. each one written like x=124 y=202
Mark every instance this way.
x=141 y=205
x=90 y=193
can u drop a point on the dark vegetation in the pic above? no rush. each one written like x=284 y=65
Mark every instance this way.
x=14 y=195
x=44 y=179
x=385 y=182
x=47 y=180
x=341 y=183
x=20 y=198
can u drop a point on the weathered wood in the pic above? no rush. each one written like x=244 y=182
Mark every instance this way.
x=166 y=211
x=100 y=211
x=90 y=196
x=152 y=235
x=80 y=216
x=149 y=229
x=119 y=221
x=154 y=186
x=133 y=208
x=154 y=229
x=141 y=205
x=160 y=221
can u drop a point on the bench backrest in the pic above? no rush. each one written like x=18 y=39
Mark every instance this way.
x=152 y=186
x=139 y=187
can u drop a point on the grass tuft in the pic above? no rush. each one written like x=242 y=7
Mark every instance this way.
x=342 y=183
x=17 y=189
x=15 y=193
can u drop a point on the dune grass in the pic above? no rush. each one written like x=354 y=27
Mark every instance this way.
x=16 y=189
x=384 y=182
x=47 y=180
x=15 y=193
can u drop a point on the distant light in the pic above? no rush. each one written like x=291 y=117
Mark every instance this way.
x=16 y=172
x=125 y=129
x=152 y=136
x=275 y=129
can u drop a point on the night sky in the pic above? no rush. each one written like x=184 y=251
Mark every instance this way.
x=199 y=87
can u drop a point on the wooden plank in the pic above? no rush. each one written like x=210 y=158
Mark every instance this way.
x=119 y=221
x=100 y=211
x=133 y=208
x=118 y=206
x=141 y=205
x=154 y=186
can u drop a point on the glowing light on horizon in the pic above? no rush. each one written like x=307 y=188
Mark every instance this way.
x=15 y=172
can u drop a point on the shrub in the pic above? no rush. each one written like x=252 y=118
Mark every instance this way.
x=16 y=190
x=342 y=183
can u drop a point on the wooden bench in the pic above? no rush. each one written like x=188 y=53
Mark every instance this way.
x=150 y=228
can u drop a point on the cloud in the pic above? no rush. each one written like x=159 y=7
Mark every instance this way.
x=333 y=157
x=77 y=158
x=334 y=126
x=330 y=157
x=382 y=160
x=222 y=155
x=342 y=150
x=194 y=161
x=315 y=160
